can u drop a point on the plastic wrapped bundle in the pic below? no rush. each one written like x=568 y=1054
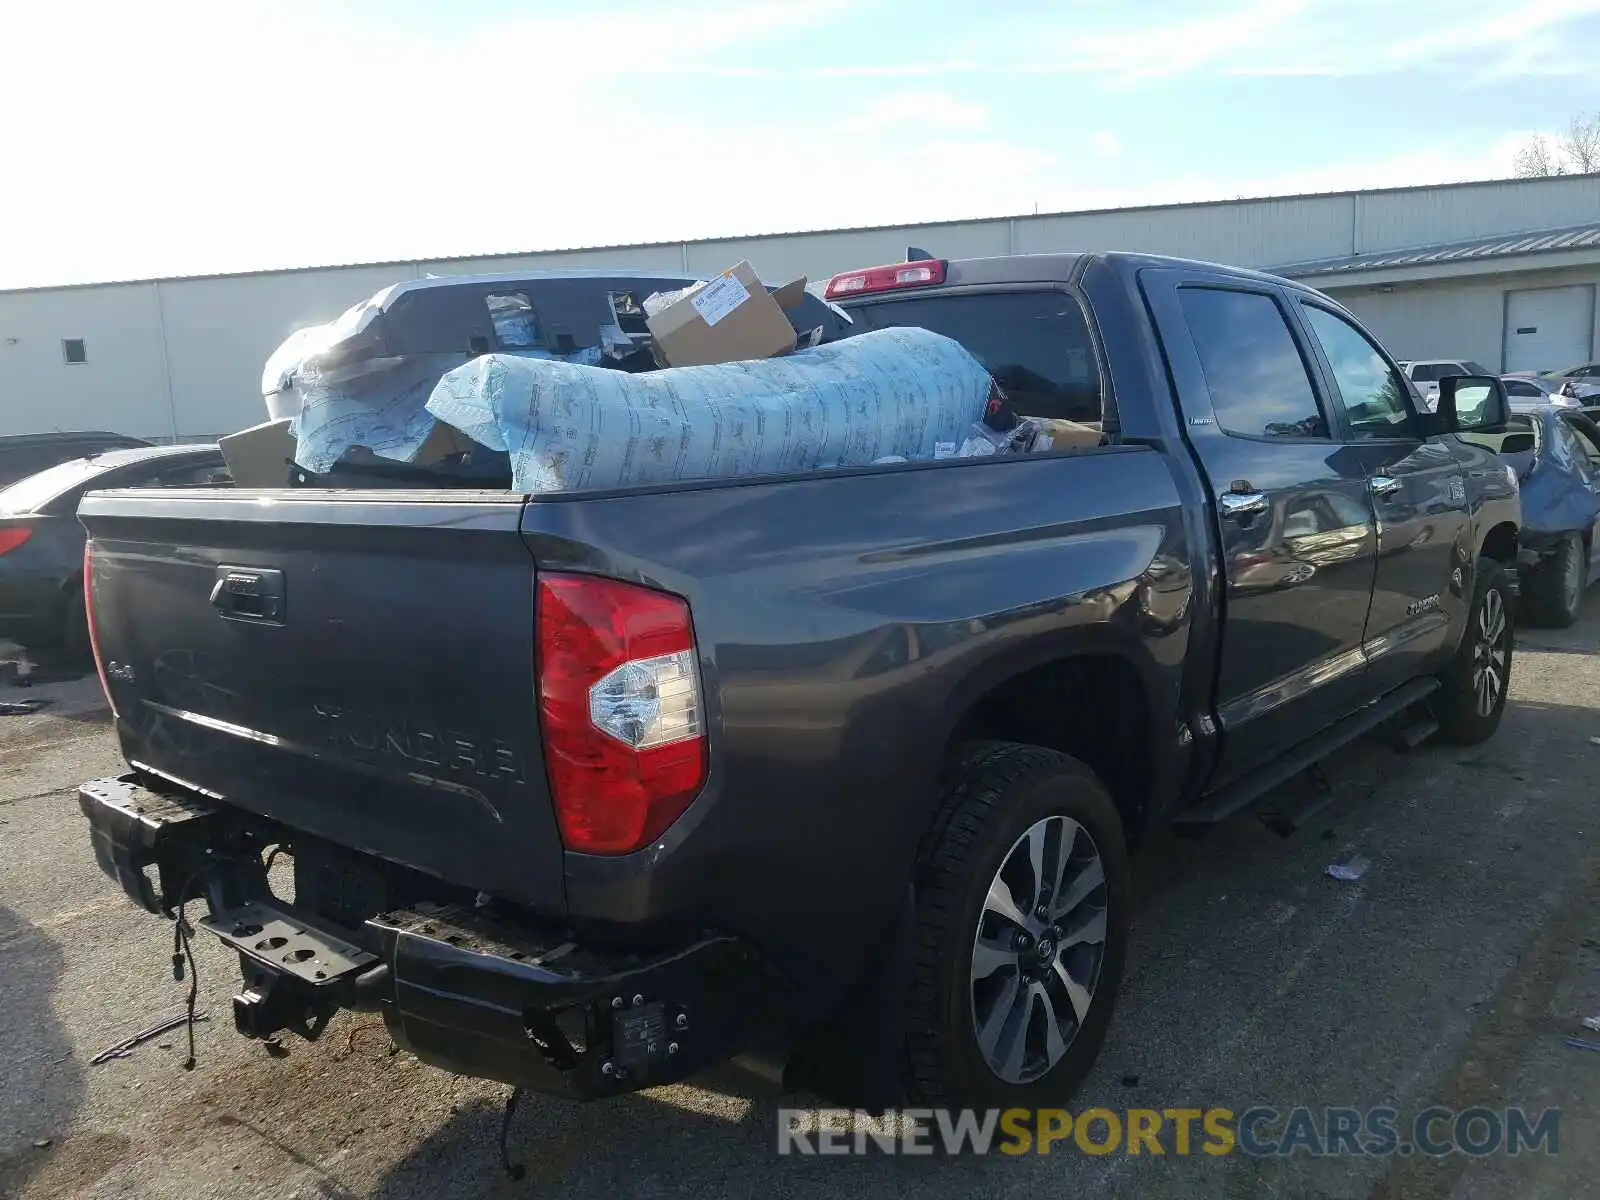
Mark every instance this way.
x=381 y=409
x=378 y=405
x=895 y=392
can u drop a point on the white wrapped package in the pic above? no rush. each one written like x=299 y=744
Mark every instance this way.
x=380 y=409
x=567 y=427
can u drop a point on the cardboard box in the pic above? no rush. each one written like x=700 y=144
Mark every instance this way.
x=727 y=319
x=1057 y=433
x=444 y=441
x=261 y=455
x=790 y=294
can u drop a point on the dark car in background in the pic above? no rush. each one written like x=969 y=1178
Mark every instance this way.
x=41 y=541
x=1555 y=451
x=24 y=454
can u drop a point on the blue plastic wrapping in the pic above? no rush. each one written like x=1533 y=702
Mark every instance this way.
x=897 y=392
x=382 y=407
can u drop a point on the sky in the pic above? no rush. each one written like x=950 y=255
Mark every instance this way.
x=172 y=137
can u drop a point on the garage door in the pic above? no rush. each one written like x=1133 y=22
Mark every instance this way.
x=1549 y=328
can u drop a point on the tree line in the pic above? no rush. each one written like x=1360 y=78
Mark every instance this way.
x=1573 y=152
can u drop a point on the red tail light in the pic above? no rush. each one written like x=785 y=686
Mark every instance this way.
x=88 y=612
x=12 y=537
x=890 y=278
x=620 y=701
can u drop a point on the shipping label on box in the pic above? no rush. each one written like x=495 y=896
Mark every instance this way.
x=716 y=300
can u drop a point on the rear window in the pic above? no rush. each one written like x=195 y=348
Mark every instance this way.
x=1035 y=344
x=515 y=326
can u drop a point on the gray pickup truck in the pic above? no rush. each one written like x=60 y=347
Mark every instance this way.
x=588 y=791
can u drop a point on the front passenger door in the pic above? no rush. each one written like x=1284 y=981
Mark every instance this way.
x=1418 y=493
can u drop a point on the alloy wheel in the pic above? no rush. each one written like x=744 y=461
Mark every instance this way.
x=1572 y=577
x=1038 y=949
x=1489 y=653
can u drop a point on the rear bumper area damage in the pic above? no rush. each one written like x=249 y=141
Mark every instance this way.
x=462 y=987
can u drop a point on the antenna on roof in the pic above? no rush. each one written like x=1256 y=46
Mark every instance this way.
x=917 y=254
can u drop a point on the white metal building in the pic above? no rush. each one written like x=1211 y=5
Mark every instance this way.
x=1503 y=272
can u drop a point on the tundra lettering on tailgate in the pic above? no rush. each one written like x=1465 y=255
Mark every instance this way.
x=451 y=750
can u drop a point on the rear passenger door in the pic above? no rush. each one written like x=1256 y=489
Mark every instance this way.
x=1419 y=489
x=1294 y=522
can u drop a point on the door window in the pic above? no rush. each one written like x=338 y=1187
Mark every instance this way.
x=1258 y=381
x=1585 y=447
x=1371 y=391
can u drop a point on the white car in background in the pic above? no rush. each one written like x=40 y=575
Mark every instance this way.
x=1526 y=391
x=1425 y=374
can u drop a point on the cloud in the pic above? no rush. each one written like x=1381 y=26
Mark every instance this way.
x=1140 y=50
x=1105 y=144
x=1441 y=163
x=1470 y=39
x=1499 y=27
x=930 y=111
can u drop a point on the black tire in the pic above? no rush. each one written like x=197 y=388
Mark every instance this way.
x=1554 y=592
x=73 y=642
x=1464 y=717
x=993 y=795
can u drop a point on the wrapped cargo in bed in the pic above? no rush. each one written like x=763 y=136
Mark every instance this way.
x=555 y=383
x=893 y=393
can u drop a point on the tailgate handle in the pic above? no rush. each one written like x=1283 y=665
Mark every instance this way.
x=249 y=594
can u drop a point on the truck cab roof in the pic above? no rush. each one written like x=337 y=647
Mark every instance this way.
x=1059 y=267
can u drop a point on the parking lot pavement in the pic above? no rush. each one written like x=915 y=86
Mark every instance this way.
x=1447 y=974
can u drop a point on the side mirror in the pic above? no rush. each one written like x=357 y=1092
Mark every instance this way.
x=1471 y=403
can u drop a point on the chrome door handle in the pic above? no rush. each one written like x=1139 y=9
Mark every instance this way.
x=1383 y=485
x=1242 y=504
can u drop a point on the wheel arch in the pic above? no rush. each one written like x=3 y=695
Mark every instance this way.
x=1500 y=542
x=1100 y=700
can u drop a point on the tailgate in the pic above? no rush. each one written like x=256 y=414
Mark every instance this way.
x=356 y=665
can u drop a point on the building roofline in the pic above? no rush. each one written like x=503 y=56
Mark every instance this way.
x=415 y=264
x=1560 y=239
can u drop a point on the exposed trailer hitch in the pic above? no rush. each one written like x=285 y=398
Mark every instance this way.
x=167 y=849
x=295 y=977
